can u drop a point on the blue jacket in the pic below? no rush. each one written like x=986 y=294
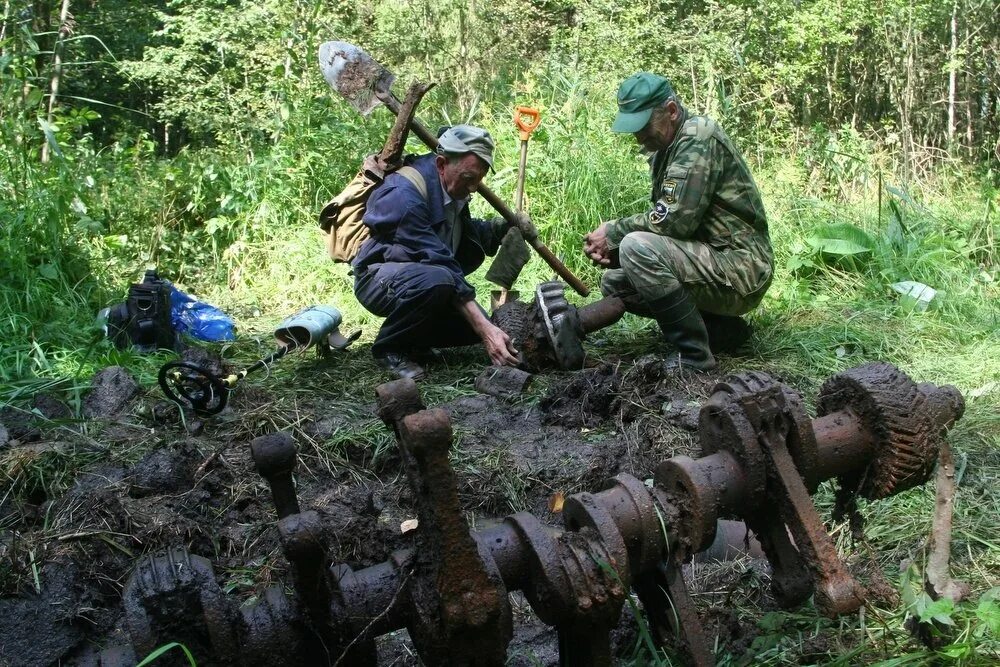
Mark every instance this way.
x=404 y=228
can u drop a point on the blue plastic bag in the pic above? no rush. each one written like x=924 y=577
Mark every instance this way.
x=199 y=319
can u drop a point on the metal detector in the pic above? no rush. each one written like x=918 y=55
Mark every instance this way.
x=195 y=387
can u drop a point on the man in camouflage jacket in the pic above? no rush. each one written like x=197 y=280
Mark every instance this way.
x=700 y=256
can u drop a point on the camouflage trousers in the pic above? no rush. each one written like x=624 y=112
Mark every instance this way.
x=653 y=266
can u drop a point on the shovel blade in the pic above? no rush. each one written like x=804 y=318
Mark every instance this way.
x=354 y=74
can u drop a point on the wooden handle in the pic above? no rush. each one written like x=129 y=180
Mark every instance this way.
x=393 y=105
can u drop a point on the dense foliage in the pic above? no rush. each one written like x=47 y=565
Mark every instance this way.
x=199 y=134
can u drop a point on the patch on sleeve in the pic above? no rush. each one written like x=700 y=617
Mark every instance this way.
x=659 y=213
x=668 y=191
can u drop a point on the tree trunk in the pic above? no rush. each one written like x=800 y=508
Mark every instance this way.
x=952 y=73
x=56 y=72
x=3 y=26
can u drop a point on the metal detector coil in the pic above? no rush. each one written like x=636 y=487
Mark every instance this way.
x=192 y=386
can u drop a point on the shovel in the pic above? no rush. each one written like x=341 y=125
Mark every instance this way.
x=526 y=119
x=364 y=83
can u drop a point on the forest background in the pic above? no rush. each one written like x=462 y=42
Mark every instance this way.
x=200 y=137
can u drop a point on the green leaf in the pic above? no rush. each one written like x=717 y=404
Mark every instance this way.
x=772 y=621
x=167 y=647
x=33 y=98
x=956 y=651
x=50 y=135
x=939 y=611
x=988 y=611
x=842 y=239
x=48 y=271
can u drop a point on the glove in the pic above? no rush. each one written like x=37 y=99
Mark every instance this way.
x=509 y=261
x=528 y=229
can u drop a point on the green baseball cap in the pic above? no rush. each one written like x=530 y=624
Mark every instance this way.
x=459 y=139
x=637 y=97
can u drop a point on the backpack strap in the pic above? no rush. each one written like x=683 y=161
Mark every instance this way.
x=414 y=177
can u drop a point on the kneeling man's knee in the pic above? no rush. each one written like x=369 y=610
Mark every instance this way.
x=638 y=254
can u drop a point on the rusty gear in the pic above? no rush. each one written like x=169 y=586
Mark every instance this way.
x=892 y=408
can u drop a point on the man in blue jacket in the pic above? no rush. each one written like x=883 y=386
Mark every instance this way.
x=423 y=244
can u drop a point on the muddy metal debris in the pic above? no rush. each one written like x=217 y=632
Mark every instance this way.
x=549 y=331
x=877 y=431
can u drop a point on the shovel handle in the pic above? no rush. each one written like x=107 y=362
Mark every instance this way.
x=526 y=119
x=393 y=104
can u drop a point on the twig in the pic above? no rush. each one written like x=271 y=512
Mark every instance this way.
x=939 y=583
x=206 y=463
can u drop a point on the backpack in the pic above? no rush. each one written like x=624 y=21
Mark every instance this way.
x=143 y=321
x=341 y=217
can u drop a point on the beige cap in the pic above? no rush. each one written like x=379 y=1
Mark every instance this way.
x=459 y=139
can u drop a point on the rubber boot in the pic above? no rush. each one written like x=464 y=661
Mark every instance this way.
x=726 y=333
x=683 y=328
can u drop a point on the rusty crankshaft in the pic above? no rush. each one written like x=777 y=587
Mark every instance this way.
x=762 y=456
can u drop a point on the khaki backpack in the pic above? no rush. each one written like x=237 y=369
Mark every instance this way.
x=341 y=216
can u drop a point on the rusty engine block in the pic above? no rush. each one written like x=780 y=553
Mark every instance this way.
x=876 y=431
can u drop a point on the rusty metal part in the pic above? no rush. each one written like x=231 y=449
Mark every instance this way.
x=733 y=540
x=504 y=382
x=576 y=583
x=762 y=424
x=302 y=542
x=175 y=585
x=391 y=156
x=836 y=592
x=561 y=324
x=761 y=457
x=680 y=616
x=895 y=414
x=550 y=331
x=396 y=400
x=274 y=456
x=463 y=608
x=600 y=314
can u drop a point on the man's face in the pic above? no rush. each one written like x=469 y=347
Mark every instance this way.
x=660 y=130
x=461 y=177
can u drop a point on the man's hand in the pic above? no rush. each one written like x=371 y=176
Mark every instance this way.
x=496 y=341
x=595 y=246
x=498 y=345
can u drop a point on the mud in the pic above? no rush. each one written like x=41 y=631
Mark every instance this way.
x=110 y=392
x=140 y=481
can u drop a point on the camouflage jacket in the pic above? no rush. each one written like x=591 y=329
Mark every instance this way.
x=703 y=191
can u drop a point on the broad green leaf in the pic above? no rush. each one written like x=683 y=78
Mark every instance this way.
x=33 y=98
x=841 y=239
x=50 y=135
x=48 y=271
x=956 y=651
x=837 y=246
x=988 y=611
x=939 y=611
